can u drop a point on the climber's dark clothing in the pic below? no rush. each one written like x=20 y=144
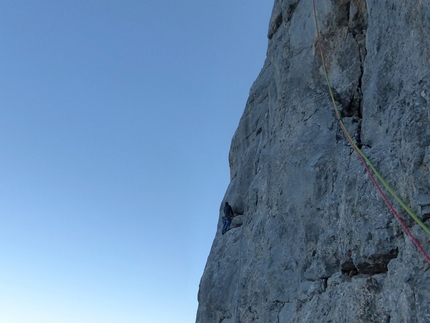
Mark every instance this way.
x=228 y=211
x=228 y=216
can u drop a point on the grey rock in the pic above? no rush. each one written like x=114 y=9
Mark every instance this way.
x=314 y=241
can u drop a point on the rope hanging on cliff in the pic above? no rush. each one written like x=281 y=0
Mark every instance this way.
x=366 y=162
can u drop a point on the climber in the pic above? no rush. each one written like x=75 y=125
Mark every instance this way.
x=228 y=216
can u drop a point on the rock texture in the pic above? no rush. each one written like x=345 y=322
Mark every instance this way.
x=313 y=241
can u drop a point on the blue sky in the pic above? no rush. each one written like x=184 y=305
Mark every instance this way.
x=115 y=123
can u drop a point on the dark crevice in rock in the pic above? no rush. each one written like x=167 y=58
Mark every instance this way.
x=349 y=268
x=344 y=14
x=351 y=19
x=286 y=17
x=325 y=283
x=275 y=26
x=277 y=305
x=291 y=8
x=358 y=30
x=277 y=301
x=373 y=265
x=357 y=136
x=354 y=17
x=356 y=21
x=238 y=212
x=377 y=264
x=353 y=107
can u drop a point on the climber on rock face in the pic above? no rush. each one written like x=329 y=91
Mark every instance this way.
x=228 y=216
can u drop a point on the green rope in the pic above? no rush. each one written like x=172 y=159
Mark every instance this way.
x=386 y=185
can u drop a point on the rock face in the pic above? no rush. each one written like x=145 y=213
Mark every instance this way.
x=314 y=241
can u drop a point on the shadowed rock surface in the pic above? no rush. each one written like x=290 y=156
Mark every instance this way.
x=314 y=241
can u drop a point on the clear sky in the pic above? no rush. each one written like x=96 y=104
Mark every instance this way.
x=115 y=123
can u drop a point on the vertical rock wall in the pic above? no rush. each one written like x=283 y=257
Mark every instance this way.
x=314 y=242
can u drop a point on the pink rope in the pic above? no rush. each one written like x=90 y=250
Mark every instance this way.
x=396 y=215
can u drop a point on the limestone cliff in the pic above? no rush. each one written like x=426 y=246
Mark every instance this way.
x=314 y=242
